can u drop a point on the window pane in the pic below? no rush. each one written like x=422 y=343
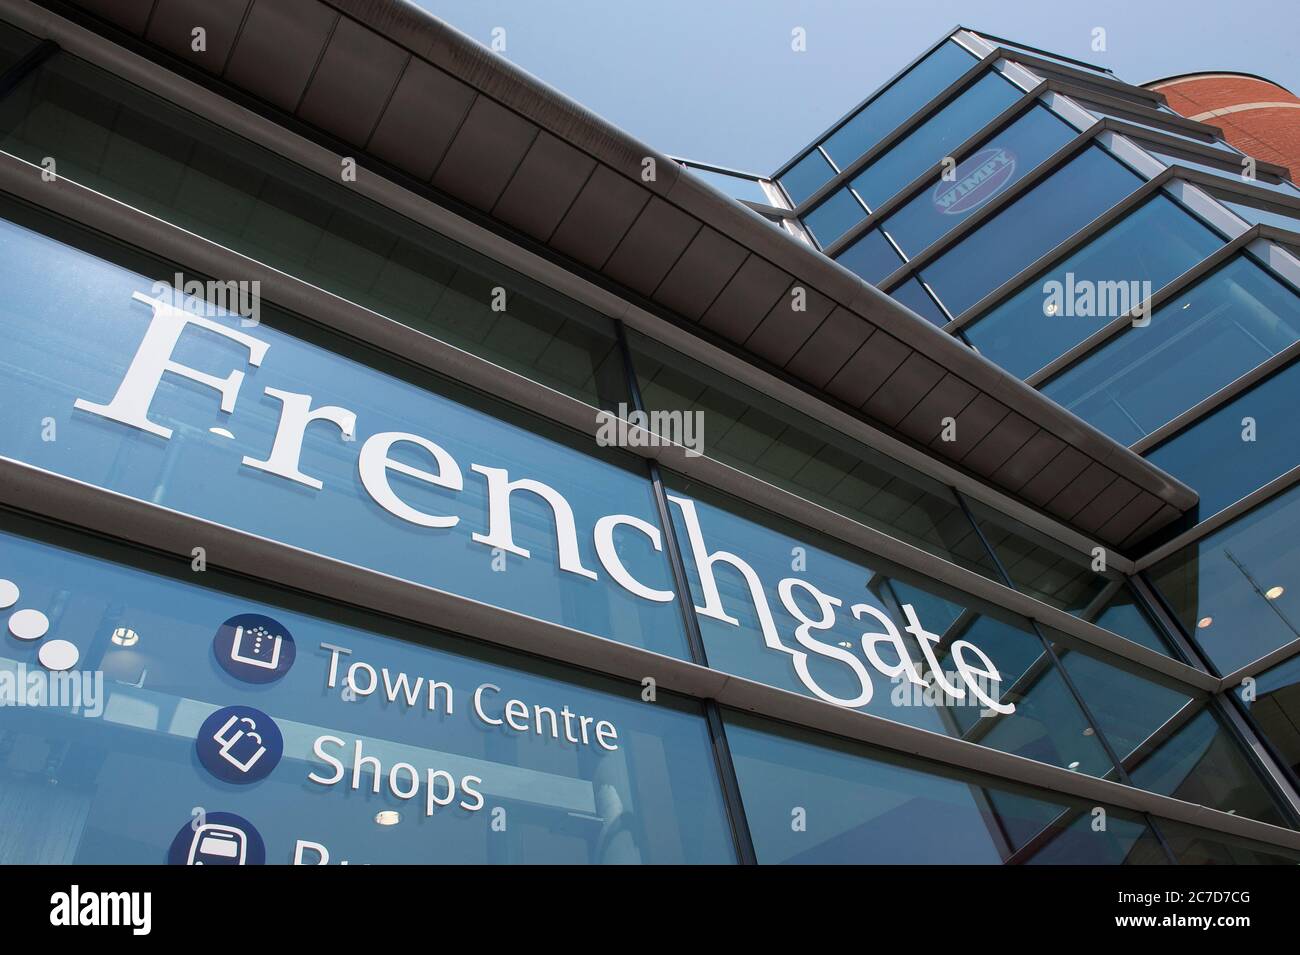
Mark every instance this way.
x=937 y=137
x=761 y=618
x=892 y=106
x=1275 y=705
x=871 y=257
x=1004 y=158
x=807 y=176
x=1203 y=764
x=759 y=435
x=1124 y=616
x=1049 y=570
x=1127 y=707
x=73 y=329
x=738 y=187
x=1195 y=344
x=128 y=144
x=1193 y=846
x=912 y=294
x=834 y=217
x=1051 y=212
x=1155 y=244
x=1198 y=455
x=119 y=788
x=1237 y=592
x=863 y=805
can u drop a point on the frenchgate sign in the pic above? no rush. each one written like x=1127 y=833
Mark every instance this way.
x=880 y=647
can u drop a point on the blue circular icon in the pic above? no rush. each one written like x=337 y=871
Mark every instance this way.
x=254 y=648
x=239 y=744
x=217 y=838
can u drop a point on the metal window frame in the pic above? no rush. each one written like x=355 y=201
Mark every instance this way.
x=51 y=496
x=816 y=142
x=317 y=159
x=895 y=136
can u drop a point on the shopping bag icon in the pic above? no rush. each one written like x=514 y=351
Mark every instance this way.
x=239 y=743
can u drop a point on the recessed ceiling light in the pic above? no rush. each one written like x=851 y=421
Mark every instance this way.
x=1089 y=731
x=125 y=637
x=1274 y=592
x=388 y=817
x=1204 y=622
x=1073 y=765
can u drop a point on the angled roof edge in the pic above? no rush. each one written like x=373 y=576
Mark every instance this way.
x=462 y=56
x=1065 y=467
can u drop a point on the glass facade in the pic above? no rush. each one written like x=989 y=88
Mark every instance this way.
x=669 y=672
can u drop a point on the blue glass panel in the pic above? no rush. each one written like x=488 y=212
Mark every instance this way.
x=1275 y=704
x=129 y=144
x=1203 y=764
x=1254 y=214
x=871 y=257
x=892 y=106
x=937 y=137
x=115 y=780
x=1237 y=591
x=73 y=328
x=807 y=176
x=913 y=294
x=764 y=621
x=1155 y=244
x=987 y=171
x=1048 y=214
x=1128 y=708
x=1195 y=344
x=835 y=216
x=1223 y=458
x=1124 y=616
x=860 y=805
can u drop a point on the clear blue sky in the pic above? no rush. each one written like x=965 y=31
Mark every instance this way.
x=716 y=80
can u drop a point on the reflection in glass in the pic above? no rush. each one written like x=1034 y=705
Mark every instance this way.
x=129 y=144
x=1196 y=343
x=897 y=102
x=1156 y=243
x=1236 y=592
x=1063 y=203
x=117 y=788
x=1049 y=570
x=807 y=176
x=813 y=799
x=1196 y=456
x=983 y=173
x=871 y=257
x=73 y=329
x=836 y=215
x=759 y=435
x=1203 y=764
x=759 y=610
x=935 y=138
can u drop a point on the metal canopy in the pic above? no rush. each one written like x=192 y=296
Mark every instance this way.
x=399 y=84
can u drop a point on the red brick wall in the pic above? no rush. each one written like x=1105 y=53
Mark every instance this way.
x=1270 y=133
